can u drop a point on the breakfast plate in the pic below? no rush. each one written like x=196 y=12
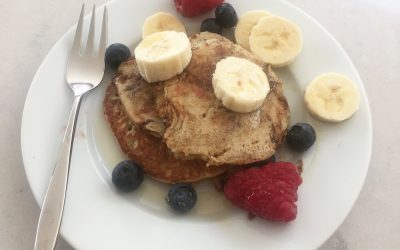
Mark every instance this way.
x=96 y=216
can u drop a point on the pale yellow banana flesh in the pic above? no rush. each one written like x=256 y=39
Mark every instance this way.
x=276 y=40
x=245 y=24
x=163 y=55
x=240 y=84
x=332 y=97
x=161 y=21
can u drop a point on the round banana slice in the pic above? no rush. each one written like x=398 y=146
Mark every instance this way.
x=163 y=55
x=245 y=25
x=332 y=97
x=161 y=21
x=276 y=41
x=240 y=84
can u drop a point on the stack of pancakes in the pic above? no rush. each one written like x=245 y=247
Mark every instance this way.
x=178 y=131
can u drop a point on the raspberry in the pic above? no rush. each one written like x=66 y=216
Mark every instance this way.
x=269 y=192
x=190 y=8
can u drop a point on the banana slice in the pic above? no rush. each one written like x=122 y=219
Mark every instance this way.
x=332 y=97
x=240 y=84
x=163 y=55
x=276 y=41
x=161 y=21
x=246 y=24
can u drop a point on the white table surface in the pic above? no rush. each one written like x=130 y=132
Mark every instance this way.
x=369 y=31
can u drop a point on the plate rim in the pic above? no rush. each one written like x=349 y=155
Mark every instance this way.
x=320 y=26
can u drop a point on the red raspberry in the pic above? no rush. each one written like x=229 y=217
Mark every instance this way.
x=192 y=8
x=269 y=192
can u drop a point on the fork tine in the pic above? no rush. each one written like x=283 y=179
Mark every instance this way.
x=90 y=42
x=104 y=33
x=76 y=46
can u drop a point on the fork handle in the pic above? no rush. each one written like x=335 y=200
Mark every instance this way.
x=53 y=204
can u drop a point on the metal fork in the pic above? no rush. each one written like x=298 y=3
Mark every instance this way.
x=84 y=72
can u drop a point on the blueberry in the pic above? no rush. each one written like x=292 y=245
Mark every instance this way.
x=181 y=197
x=301 y=137
x=226 y=15
x=211 y=25
x=127 y=176
x=115 y=54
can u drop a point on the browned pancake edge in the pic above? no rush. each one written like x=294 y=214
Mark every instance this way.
x=149 y=151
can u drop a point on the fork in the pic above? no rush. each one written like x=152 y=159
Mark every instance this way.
x=85 y=70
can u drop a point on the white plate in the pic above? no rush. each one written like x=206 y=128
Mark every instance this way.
x=98 y=217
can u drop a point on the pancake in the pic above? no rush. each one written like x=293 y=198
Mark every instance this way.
x=200 y=126
x=149 y=151
x=192 y=121
x=139 y=97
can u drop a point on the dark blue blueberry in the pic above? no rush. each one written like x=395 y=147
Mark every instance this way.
x=226 y=15
x=181 y=197
x=301 y=137
x=211 y=25
x=115 y=54
x=127 y=176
